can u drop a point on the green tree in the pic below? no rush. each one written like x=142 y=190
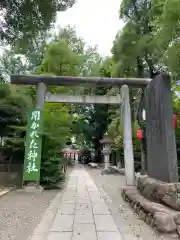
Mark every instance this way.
x=146 y=45
x=98 y=115
x=14 y=103
x=22 y=21
x=60 y=60
x=11 y=63
x=57 y=129
x=135 y=51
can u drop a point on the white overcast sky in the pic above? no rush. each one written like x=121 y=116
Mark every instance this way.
x=97 y=21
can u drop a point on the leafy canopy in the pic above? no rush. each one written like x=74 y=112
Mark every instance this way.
x=23 y=20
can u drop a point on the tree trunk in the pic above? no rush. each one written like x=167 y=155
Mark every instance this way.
x=98 y=152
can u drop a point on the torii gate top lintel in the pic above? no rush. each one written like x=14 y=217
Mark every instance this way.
x=73 y=81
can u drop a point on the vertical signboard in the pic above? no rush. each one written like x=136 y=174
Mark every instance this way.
x=32 y=161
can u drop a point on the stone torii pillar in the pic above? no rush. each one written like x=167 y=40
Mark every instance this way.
x=40 y=100
x=127 y=136
x=106 y=141
x=40 y=95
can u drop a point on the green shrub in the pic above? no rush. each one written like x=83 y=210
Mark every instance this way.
x=52 y=175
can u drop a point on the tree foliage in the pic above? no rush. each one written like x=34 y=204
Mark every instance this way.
x=57 y=125
x=22 y=21
x=14 y=103
x=146 y=45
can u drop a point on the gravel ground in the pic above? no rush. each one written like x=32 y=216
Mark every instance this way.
x=110 y=186
x=21 y=212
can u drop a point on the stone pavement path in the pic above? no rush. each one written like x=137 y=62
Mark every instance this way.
x=82 y=213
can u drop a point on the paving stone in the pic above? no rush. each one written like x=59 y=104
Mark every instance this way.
x=105 y=223
x=100 y=209
x=83 y=216
x=69 y=199
x=72 y=177
x=59 y=236
x=83 y=196
x=109 y=236
x=84 y=206
x=39 y=237
x=83 y=200
x=62 y=223
x=70 y=192
x=67 y=209
x=91 y=186
x=96 y=199
x=94 y=194
x=82 y=188
x=92 y=189
x=82 y=192
x=71 y=188
x=72 y=184
x=84 y=232
x=81 y=184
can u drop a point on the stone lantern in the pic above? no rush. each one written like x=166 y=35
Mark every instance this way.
x=106 y=141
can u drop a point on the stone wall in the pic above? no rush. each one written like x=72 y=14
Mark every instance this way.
x=156 y=202
x=157 y=191
x=11 y=175
x=156 y=215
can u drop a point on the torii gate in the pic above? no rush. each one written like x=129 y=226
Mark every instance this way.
x=122 y=99
x=42 y=95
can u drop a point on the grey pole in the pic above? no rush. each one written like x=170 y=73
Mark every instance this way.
x=40 y=99
x=40 y=95
x=127 y=137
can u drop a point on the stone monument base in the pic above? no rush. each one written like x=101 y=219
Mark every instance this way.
x=157 y=203
x=31 y=189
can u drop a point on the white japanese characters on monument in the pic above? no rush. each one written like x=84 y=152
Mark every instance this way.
x=32 y=154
